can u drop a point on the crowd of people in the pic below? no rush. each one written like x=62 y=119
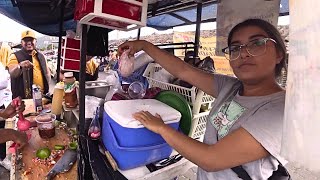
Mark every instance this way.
x=12 y=86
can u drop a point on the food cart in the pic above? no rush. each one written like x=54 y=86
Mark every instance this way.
x=87 y=165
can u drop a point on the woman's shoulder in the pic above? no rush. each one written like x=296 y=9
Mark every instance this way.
x=226 y=77
x=224 y=82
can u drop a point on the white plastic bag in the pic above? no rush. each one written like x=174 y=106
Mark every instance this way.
x=70 y=34
x=5 y=87
x=126 y=64
x=163 y=76
x=141 y=59
x=113 y=80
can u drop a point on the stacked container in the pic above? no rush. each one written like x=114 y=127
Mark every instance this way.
x=70 y=55
x=195 y=97
x=123 y=15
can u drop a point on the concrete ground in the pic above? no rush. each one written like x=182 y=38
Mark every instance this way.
x=4 y=173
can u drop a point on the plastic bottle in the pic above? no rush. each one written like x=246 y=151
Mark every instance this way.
x=58 y=93
x=37 y=98
x=70 y=93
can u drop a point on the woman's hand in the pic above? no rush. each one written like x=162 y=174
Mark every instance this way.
x=21 y=138
x=153 y=123
x=134 y=46
x=13 y=109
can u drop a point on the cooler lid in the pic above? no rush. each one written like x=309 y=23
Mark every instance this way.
x=121 y=111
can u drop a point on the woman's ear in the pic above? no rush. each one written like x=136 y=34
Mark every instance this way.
x=280 y=56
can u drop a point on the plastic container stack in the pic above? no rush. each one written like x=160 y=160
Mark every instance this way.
x=195 y=97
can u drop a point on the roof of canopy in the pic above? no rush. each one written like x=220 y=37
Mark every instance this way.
x=43 y=15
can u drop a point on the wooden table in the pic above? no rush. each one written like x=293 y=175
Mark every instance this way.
x=24 y=168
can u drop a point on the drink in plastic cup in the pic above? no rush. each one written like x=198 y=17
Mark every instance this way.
x=45 y=123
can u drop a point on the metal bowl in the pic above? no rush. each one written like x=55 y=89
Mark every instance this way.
x=97 y=88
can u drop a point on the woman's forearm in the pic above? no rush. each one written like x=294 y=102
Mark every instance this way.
x=172 y=64
x=7 y=135
x=181 y=70
x=191 y=149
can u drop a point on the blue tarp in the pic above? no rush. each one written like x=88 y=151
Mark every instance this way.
x=44 y=16
x=209 y=13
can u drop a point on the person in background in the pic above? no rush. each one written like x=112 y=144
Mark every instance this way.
x=92 y=71
x=244 y=128
x=207 y=64
x=189 y=58
x=113 y=58
x=5 y=92
x=28 y=58
x=5 y=51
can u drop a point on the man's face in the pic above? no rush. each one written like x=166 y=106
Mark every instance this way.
x=28 y=43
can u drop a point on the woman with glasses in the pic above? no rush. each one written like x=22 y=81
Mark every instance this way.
x=244 y=128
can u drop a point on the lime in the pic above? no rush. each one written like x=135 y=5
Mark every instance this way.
x=73 y=131
x=43 y=153
x=57 y=123
x=59 y=147
x=73 y=145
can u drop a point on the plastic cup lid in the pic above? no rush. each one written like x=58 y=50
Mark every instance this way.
x=68 y=74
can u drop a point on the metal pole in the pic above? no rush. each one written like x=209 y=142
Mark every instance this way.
x=63 y=2
x=138 y=36
x=82 y=78
x=84 y=169
x=197 y=34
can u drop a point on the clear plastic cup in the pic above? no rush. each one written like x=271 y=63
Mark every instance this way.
x=136 y=90
x=46 y=125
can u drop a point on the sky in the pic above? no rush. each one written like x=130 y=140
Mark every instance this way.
x=12 y=30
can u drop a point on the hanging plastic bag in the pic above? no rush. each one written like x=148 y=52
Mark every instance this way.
x=94 y=131
x=126 y=64
x=70 y=34
x=141 y=58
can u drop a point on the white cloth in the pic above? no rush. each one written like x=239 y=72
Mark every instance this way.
x=5 y=87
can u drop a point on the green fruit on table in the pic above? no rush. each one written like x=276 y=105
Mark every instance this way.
x=73 y=145
x=43 y=153
x=59 y=147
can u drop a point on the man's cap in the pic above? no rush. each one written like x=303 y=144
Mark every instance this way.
x=28 y=33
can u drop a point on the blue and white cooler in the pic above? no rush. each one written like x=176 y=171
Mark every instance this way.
x=129 y=142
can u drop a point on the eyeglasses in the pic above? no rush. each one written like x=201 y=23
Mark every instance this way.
x=254 y=48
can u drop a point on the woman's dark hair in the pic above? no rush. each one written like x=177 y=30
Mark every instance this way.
x=272 y=32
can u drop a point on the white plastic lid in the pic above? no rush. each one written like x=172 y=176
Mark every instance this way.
x=68 y=74
x=122 y=111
